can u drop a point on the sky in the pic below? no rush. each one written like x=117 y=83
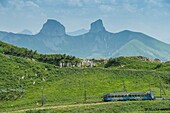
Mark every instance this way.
x=151 y=17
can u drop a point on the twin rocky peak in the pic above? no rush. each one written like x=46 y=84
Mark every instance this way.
x=55 y=28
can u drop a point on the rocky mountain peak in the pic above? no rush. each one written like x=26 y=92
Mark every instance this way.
x=97 y=26
x=53 y=28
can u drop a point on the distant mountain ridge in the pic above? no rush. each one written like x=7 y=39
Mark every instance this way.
x=78 y=32
x=26 y=32
x=97 y=43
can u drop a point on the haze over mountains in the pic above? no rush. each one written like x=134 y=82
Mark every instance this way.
x=78 y=32
x=96 y=43
x=26 y=31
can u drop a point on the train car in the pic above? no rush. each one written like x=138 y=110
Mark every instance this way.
x=124 y=96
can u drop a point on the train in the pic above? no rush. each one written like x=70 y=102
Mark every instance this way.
x=125 y=96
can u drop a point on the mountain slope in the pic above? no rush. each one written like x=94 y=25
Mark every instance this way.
x=97 y=43
x=137 y=48
x=2 y=34
x=78 y=32
x=26 y=32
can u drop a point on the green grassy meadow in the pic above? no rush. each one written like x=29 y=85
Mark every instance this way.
x=26 y=83
x=64 y=86
x=114 y=107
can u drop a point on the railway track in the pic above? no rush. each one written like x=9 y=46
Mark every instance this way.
x=74 y=105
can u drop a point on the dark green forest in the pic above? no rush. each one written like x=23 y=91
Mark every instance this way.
x=54 y=59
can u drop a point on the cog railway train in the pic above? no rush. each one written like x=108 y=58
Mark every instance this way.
x=124 y=96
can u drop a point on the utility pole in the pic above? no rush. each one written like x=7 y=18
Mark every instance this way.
x=43 y=82
x=85 y=95
x=42 y=96
x=149 y=83
x=7 y=87
x=160 y=89
x=124 y=86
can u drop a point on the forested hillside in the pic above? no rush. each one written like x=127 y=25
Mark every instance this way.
x=137 y=63
x=55 y=59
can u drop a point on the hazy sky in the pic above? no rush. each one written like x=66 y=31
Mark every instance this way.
x=151 y=17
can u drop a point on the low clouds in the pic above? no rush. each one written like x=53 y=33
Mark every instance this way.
x=75 y=3
x=101 y=6
x=17 y=4
x=16 y=14
x=106 y=8
x=11 y=7
x=22 y=5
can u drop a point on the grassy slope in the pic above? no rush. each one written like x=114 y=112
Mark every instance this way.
x=113 y=107
x=138 y=63
x=66 y=85
x=130 y=48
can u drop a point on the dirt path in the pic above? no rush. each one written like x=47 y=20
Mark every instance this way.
x=58 y=107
